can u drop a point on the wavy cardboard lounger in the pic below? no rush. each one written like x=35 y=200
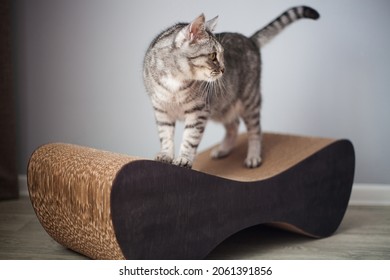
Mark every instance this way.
x=112 y=206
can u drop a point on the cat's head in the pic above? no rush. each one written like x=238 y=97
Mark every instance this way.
x=201 y=49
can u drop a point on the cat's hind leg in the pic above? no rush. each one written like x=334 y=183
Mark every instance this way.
x=253 y=158
x=228 y=143
x=252 y=122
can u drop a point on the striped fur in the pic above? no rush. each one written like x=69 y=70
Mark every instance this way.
x=194 y=75
x=263 y=36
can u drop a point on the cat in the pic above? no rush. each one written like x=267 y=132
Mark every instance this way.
x=193 y=75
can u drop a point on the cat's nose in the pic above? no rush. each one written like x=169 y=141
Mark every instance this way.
x=222 y=70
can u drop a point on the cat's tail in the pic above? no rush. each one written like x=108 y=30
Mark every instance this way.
x=263 y=36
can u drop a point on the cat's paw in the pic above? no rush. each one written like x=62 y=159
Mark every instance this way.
x=164 y=157
x=218 y=153
x=183 y=162
x=252 y=162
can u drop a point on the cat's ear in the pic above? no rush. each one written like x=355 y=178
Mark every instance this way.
x=196 y=28
x=211 y=24
x=192 y=32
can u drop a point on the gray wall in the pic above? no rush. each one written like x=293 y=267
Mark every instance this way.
x=78 y=73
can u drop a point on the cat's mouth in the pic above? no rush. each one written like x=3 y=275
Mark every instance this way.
x=216 y=74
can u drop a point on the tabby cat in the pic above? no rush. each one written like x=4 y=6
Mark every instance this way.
x=194 y=75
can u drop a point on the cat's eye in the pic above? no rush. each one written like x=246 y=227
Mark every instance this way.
x=212 y=56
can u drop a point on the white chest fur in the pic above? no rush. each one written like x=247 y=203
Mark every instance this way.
x=172 y=84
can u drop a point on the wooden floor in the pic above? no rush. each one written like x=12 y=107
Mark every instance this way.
x=363 y=234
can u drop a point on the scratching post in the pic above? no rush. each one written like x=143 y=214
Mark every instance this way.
x=112 y=206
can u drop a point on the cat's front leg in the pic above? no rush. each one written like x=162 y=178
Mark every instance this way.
x=166 y=131
x=193 y=132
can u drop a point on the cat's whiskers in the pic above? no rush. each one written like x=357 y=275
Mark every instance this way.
x=205 y=89
x=213 y=89
x=220 y=88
